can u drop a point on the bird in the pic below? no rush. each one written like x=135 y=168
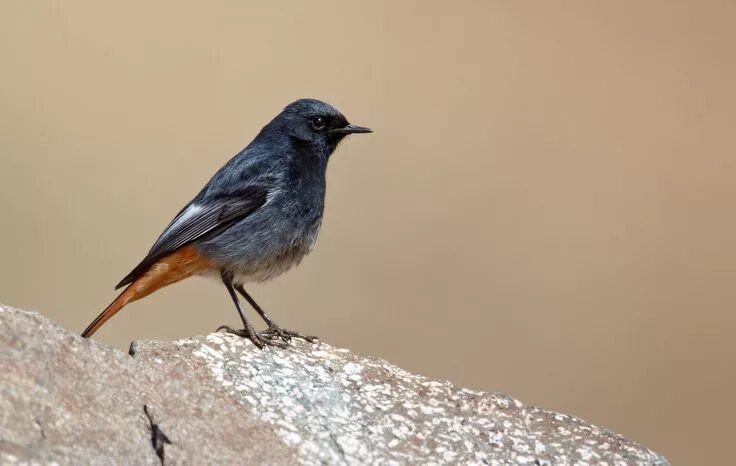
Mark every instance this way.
x=257 y=217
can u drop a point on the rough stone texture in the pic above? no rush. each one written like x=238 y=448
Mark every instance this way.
x=222 y=401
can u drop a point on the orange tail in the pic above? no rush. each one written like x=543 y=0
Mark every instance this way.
x=182 y=263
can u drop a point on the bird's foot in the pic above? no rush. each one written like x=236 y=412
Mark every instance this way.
x=274 y=332
x=257 y=339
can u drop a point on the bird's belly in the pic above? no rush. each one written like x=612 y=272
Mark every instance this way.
x=268 y=268
x=275 y=263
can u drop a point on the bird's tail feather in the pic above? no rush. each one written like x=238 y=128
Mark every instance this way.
x=177 y=266
x=123 y=298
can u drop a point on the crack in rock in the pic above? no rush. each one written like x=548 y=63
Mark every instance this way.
x=158 y=438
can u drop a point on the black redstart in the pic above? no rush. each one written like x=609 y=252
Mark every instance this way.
x=256 y=218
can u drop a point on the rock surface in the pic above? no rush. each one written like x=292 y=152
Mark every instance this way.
x=220 y=400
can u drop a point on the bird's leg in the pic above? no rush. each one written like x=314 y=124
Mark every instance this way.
x=273 y=330
x=248 y=331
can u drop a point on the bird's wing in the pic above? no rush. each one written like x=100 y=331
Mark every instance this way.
x=199 y=219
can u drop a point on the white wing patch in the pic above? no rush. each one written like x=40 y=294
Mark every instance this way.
x=188 y=213
x=180 y=219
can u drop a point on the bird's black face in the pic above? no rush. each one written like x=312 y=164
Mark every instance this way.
x=318 y=124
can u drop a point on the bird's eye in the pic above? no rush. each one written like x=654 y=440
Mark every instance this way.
x=318 y=123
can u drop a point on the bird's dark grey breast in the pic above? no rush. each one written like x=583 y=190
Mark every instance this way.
x=278 y=235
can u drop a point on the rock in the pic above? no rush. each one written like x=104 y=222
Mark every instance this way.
x=218 y=399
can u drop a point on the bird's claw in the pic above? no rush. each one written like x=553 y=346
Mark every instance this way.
x=275 y=332
x=255 y=337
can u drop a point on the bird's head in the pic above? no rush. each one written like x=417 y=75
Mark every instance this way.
x=316 y=124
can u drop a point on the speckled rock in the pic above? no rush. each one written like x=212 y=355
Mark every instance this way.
x=68 y=400
x=222 y=401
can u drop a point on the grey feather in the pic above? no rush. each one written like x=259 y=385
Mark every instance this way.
x=196 y=221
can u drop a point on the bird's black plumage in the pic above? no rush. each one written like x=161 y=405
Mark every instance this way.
x=258 y=216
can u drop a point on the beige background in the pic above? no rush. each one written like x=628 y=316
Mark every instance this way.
x=546 y=207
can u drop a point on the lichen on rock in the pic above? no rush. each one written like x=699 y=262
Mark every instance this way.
x=221 y=400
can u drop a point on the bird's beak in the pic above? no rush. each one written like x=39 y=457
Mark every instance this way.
x=351 y=129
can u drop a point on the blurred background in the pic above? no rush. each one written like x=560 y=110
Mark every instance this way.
x=546 y=207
